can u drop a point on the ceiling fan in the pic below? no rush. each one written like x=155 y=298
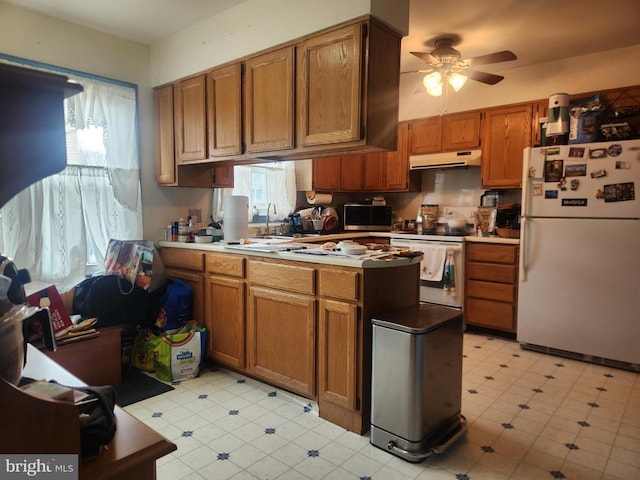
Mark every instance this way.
x=446 y=63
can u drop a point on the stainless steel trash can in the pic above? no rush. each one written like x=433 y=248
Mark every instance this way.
x=416 y=389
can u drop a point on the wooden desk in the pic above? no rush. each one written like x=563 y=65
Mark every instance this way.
x=95 y=361
x=131 y=455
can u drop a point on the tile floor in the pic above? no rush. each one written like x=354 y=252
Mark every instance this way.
x=531 y=416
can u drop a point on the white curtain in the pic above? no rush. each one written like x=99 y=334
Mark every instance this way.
x=53 y=226
x=280 y=188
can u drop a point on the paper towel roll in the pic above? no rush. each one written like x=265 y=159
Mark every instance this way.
x=235 y=218
x=314 y=198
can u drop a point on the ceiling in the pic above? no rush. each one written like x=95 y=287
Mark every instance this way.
x=537 y=31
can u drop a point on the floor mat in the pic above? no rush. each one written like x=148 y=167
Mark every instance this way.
x=137 y=386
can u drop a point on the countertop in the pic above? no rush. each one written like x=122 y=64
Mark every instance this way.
x=356 y=261
x=324 y=258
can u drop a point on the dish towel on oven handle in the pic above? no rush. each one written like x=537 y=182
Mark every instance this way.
x=432 y=264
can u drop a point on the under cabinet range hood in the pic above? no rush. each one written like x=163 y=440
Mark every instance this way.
x=466 y=158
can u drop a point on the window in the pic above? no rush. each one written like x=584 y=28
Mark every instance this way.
x=264 y=184
x=59 y=227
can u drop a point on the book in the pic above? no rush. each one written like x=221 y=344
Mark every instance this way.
x=50 y=298
x=50 y=391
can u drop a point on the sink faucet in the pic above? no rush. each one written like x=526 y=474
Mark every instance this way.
x=274 y=211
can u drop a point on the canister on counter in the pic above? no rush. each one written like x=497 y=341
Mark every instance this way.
x=429 y=218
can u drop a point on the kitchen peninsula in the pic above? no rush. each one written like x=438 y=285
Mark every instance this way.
x=297 y=321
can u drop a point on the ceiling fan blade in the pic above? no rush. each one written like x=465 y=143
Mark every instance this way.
x=504 y=56
x=427 y=57
x=484 y=77
x=418 y=71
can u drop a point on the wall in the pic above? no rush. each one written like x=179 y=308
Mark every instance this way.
x=242 y=30
x=48 y=40
x=599 y=71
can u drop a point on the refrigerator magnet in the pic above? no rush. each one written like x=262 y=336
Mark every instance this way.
x=619 y=192
x=620 y=165
x=576 y=152
x=614 y=150
x=551 y=194
x=598 y=153
x=574 y=184
x=599 y=174
x=553 y=170
x=537 y=189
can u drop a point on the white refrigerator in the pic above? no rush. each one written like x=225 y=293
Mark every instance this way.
x=579 y=286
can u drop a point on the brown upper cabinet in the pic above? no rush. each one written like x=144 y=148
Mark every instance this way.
x=191 y=119
x=456 y=131
x=333 y=92
x=224 y=111
x=170 y=171
x=506 y=132
x=329 y=87
x=270 y=101
x=373 y=172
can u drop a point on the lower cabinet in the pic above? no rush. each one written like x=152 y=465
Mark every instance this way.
x=491 y=288
x=225 y=311
x=337 y=353
x=300 y=326
x=188 y=266
x=281 y=339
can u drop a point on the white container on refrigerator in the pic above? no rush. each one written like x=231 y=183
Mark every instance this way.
x=579 y=289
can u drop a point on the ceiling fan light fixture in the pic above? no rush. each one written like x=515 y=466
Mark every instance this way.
x=433 y=84
x=457 y=81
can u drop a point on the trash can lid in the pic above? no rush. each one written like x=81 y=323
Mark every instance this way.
x=417 y=319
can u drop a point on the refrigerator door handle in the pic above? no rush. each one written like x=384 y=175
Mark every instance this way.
x=523 y=248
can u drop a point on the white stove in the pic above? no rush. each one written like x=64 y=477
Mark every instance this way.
x=435 y=249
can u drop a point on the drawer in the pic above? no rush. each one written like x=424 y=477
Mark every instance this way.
x=182 y=258
x=490 y=314
x=338 y=284
x=492 y=272
x=479 y=252
x=224 y=264
x=285 y=277
x=491 y=291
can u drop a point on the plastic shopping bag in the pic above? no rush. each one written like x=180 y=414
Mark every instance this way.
x=179 y=356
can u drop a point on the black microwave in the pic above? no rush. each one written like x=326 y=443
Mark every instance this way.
x=370 y=218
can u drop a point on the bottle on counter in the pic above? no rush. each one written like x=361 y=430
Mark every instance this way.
x=191 y=233
x=183 y=230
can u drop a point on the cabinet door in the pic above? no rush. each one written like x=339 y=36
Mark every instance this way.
x=373 y=172
x=223 y=177
x=396 y=164
x=326 y=173
x=351 y=170
x=270 y=101
x=506 y=132
x=225 y=314
x=191 y=119
x=426 y=136
x=329 y=87
x=540 y=110
x=337 y=353
x=281 y=339
x=165 y=160
x=461 y=131
x=224 y=109
x=196 y=282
